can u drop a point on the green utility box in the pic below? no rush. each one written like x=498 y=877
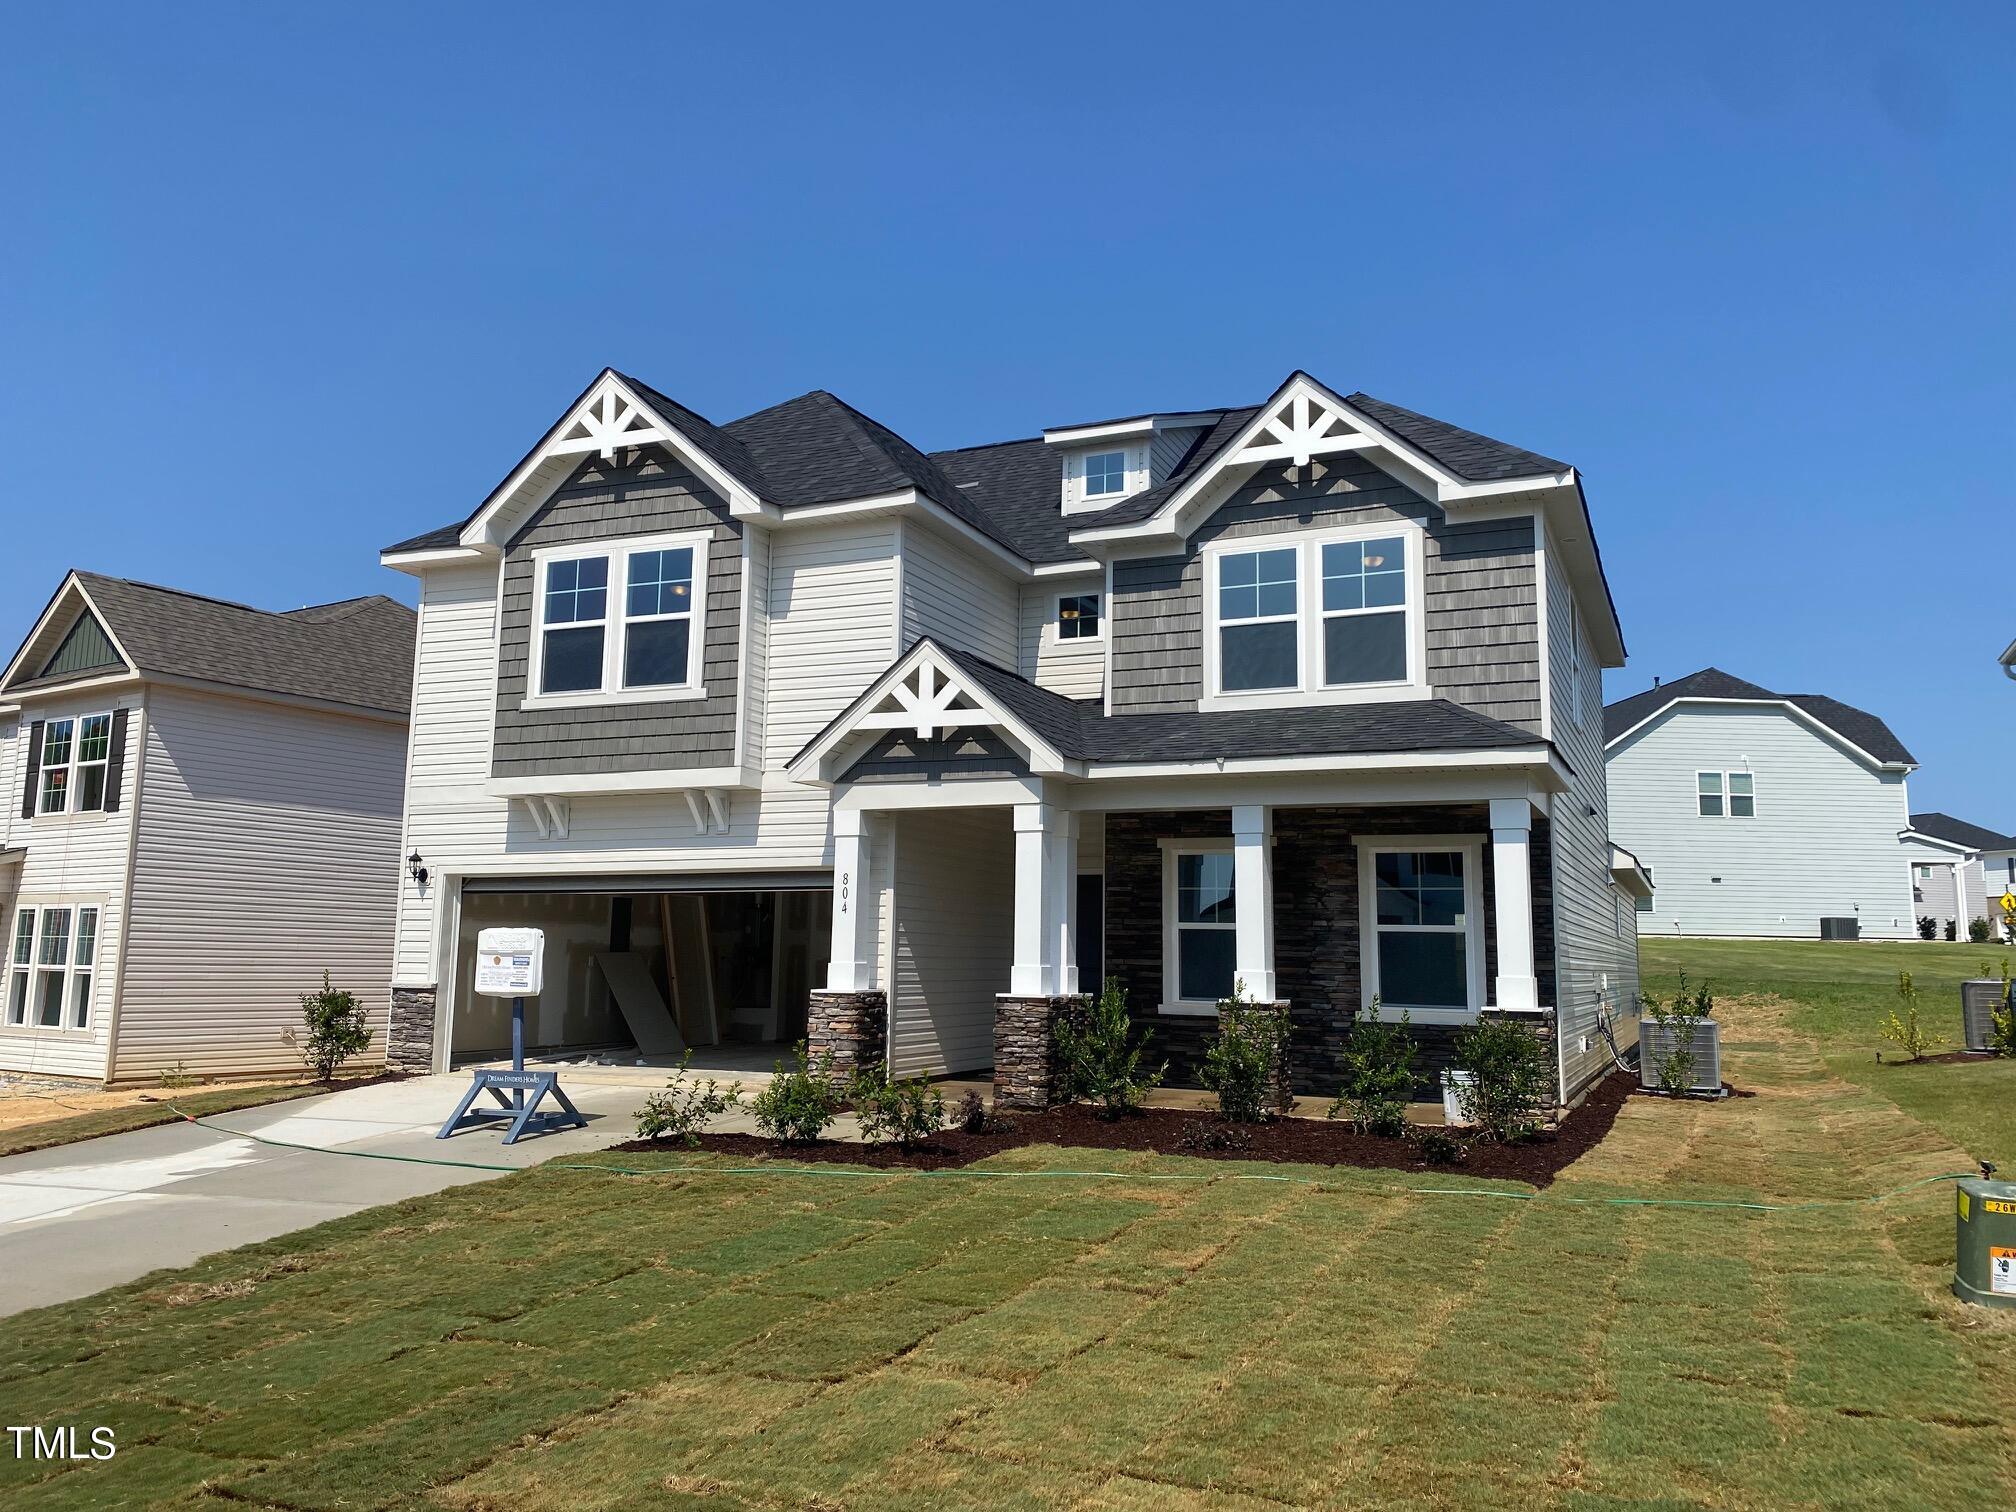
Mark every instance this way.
x=1984 y=1250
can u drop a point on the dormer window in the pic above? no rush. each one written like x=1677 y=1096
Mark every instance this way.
x=1105 y=474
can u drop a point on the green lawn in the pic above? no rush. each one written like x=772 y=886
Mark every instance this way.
x=564 y=1339
x=1841 y=993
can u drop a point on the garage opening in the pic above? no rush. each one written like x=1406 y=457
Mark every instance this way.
x=642 y=969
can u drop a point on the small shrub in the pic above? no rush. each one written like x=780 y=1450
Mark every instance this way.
x=1099 y=1059
x=2002 y=1020
x=1680 y=1021
x=1513 y=1079
x=176 y=1077
x=1439 y=1147
x=1928 y=927
x=799 y=1105
x=1214 y=1136
x=902 y=1113
x=1906 y=1029
x=1979 y=931
x=1378 y=1078
x=974 y=1116
x=336 y=1027
x=1952 y=929
x=1244 y=1061
x=683 y=1110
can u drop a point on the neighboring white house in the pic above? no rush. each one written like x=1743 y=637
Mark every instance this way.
x=203 y=817
x=1947 y=854
x=1760 y=813
x=783 y=727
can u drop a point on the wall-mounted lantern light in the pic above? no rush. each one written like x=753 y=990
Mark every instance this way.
x=415 y=870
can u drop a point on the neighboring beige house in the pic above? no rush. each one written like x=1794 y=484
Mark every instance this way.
x=789 y=729
x=202 y=817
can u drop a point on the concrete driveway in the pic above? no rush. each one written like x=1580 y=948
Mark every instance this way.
x=77 y=1219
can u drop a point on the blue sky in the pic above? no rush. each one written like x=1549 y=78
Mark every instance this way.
x=279 y=285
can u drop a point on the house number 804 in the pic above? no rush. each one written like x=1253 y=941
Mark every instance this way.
x=845 y=878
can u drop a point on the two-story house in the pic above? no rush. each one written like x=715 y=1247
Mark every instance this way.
x=825 y=734
x=203 y=815
x=1761 y=813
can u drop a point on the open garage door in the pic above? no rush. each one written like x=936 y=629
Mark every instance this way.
x=641 y=967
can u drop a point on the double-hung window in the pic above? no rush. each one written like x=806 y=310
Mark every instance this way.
x=622 y=622
x=1422 y=916
x=1078 y=617
x=1725 y=794
x=1201 y=905
x=76 y=758
x=1105 y=474
x=1330 y=617
x=50 y=968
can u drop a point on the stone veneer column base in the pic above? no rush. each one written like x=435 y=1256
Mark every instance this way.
x=1275 y=1024
x=849 y=1026
x=409 y=1033
x=1025 y=1049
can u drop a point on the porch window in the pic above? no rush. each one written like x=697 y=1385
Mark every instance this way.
x=1423 y=916
x=1202 y=908
x=619 y=625
x=50 y=967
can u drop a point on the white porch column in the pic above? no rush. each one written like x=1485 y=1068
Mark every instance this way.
x=1512 y=889
x=852 y=964
x=1253 y=890
x=1960 y=900
x=1061 y=859
x=1033 y=974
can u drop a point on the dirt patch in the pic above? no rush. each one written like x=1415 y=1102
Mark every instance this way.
x=1944 y=1058
x=1170 y=1131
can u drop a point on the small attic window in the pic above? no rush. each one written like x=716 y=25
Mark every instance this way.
x=1105 y=474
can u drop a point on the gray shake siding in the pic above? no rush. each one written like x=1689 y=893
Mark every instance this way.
x=1482 y=601
x=649 y=495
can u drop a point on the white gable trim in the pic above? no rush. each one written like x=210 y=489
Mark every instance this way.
x=71 y=583
x=610 y=416
x=1910 y=836
x=1818 y=726
x=924 y=691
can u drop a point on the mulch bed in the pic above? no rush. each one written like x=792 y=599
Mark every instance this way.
x=1300 y=1141
x=1944 y=1058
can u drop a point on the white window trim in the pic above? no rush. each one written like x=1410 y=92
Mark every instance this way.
x=43 y=905
x=1078 y=501
x=1725 y=794
x=1472 y=849
x=1171 y=980
x=616 y=620
x=1309 y=689
x=1056 y=626
x=1105 y=495
x=74 y=766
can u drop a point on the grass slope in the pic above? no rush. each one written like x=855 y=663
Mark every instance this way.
x=566 y=1340
x=1840 y=993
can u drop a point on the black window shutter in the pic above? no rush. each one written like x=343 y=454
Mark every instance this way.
x=34 y=769
x=115 y=767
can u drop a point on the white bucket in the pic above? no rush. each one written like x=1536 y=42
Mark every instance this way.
x=1452 y=1106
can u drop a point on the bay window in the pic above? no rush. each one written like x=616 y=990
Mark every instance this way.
x=1200 y=903
x=619 y=622
x=51 y=965
x=1334 y=616
x=1422 y=917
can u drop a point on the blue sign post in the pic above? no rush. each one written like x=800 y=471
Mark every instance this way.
x=511 y=962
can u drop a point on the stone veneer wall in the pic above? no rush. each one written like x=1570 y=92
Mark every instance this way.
x=1025 y=1049
x=409 y=1033
x=1316 y=934
x=852 y=1027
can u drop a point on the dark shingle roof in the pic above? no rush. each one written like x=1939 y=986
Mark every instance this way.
x=357 y=652
x=1080 y=730
x=817 y=449
x=1857 y=726
x=1960 y=832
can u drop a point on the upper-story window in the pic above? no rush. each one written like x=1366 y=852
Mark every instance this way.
x=1329 y=618
x=1726 y=794
x=1078 y=616
x=619 y=622
x=75 y=758
x=1105 y=474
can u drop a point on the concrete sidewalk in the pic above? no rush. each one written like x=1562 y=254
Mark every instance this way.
x=79 y=1218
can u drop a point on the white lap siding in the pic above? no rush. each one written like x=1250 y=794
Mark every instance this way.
x=1075 y=668
x=1595 y=930
x=1823 y=842
x=71 y=860
x=956 y=599
x=953 y=937
x=268 y=853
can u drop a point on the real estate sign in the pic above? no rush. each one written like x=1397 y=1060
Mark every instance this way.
x=510 y=962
